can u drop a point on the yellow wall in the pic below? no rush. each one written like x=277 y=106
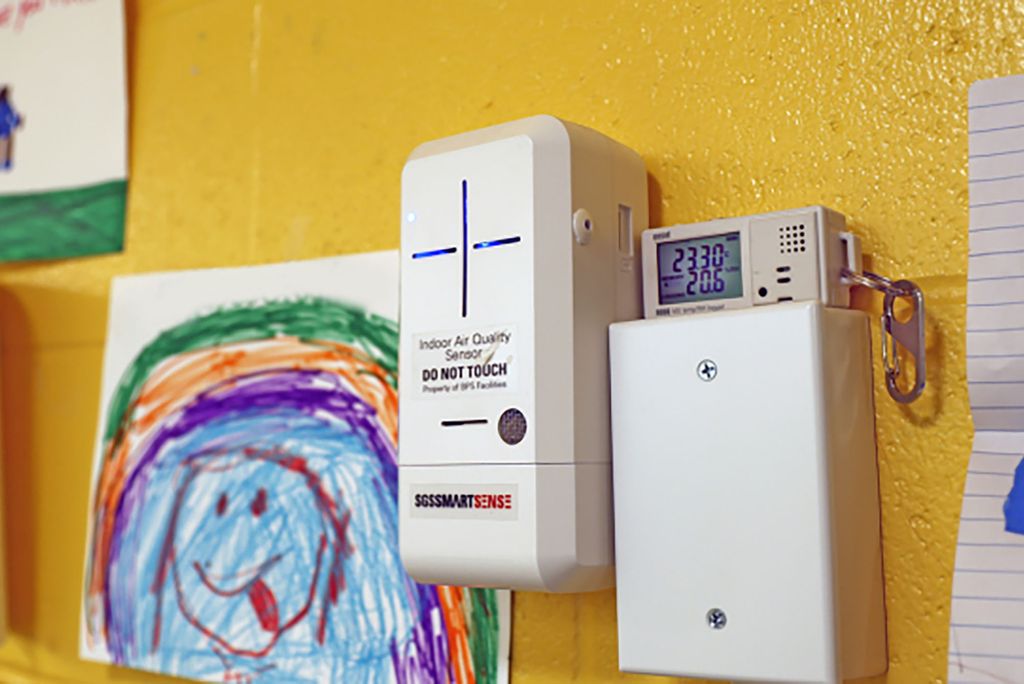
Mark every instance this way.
x=265 y=130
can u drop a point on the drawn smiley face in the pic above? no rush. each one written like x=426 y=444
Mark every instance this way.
x=246 y=559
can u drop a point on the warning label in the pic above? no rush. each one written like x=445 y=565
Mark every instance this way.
x=466 y=361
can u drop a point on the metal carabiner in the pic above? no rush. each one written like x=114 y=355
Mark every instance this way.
x=909 y=334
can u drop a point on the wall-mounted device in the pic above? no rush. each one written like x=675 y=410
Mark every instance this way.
x=746 y=495
x=519 y=245
x=735 y=263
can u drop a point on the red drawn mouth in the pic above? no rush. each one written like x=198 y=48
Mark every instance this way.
x=261 y=597
x=245 y=577
x=257 y=600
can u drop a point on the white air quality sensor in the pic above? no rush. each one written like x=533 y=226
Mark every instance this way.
x=522 y=252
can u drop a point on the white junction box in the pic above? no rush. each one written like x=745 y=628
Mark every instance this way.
x=750 y=498
x=747 y=521
x=519 y=248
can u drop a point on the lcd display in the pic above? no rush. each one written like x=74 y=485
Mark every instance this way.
x=699 y=269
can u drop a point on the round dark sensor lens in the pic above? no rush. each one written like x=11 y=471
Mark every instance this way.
x=512 y=426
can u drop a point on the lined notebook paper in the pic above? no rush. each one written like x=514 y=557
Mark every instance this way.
x=986 y=641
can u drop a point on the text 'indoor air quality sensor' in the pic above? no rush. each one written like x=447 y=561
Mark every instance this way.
x=518 y=250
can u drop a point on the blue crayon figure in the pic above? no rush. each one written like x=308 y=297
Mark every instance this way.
x=9 y=121
x=1013 y=507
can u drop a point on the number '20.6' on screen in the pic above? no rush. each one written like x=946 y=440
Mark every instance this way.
x=699 y=269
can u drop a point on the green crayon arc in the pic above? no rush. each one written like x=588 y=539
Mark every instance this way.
x=307 y=318
x=484 y=631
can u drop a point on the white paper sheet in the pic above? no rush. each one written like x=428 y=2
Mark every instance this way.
x=63 y=128
x=986 y=641
x=243 y=526
x=64 y=63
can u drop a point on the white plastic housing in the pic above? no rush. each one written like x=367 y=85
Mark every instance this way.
x=754 y=492
x=519 y=248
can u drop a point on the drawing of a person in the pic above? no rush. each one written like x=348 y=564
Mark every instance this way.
x=248 y=525
x=264 y=543
x=9 y=121
x=245 y=597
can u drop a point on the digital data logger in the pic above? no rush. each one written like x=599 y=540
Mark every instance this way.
x=736 y=263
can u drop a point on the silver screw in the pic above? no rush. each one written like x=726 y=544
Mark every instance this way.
x=707 y=370
x=716 y=618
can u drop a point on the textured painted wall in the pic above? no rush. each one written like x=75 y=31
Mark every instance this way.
x=274 y=129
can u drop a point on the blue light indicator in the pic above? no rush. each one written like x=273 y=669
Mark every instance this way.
x=410 y=217
x=465 y=239
x=434 y=253
x=497 y=243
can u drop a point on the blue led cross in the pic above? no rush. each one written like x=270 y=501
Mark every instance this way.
x=487 y=244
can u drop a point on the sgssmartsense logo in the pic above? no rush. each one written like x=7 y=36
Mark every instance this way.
x=484 y=501
x=480 y=501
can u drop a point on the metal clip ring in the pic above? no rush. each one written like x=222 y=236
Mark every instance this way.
x=909 y=335
x=876 y=282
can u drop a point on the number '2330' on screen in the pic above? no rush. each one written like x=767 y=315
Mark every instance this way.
x=700 y=268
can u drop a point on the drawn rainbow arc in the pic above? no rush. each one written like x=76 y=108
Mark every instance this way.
x=245 y=513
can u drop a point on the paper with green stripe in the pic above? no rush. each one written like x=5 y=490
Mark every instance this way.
x=63 y=129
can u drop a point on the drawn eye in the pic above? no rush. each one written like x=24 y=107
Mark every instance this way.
x=259 y=502
x=222 y=504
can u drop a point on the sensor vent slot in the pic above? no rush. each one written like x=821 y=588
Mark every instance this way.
x=463 y=421
x=625 y=230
